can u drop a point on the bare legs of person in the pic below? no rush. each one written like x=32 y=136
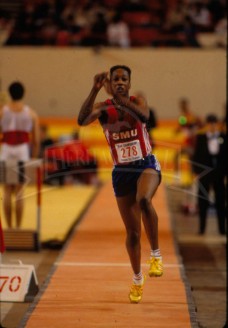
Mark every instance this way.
x=7 y=204
x=131 y=207
x=9 y=190
x=147 y=186
x=130 y=214
x=19 y=205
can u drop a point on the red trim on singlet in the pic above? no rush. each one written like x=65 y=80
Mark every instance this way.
x=111 y=111
x=114 y=126
x=141 y=137
x=15 y=137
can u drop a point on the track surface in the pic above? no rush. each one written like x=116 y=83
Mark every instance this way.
x=90 y=285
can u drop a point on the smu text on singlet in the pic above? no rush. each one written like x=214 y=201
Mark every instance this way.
x=126 y=134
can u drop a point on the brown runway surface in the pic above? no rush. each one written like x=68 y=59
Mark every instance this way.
x=91 y=280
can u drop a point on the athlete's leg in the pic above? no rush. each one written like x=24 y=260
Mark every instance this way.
x=130 y=214
x=147 y=185
x=7 y=204
x=19 y=205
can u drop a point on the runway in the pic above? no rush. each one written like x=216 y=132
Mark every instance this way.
x=91 y=279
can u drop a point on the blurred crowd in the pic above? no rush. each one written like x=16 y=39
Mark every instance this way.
x=120 y=23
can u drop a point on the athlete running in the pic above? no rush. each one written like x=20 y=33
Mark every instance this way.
x=136 y=174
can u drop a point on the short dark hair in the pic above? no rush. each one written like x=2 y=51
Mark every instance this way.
x=211 y=118
x=16 y=90
x=126 y=68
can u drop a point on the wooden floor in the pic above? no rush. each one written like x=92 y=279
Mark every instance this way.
x=56 y=218
x=90 y=285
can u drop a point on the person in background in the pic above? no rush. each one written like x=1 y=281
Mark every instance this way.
x=20 y=141
x=118 y=33
x=188 y=124
x=210 y=166
x=221 y=32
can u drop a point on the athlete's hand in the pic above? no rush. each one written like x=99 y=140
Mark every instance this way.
x=99 y=80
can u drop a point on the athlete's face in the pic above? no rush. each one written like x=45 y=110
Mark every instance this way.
x=120 y=82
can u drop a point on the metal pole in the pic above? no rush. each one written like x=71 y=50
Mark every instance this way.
x=39 y=184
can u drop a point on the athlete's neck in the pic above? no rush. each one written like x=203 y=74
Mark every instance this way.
x=16 y=106
x=118 y=103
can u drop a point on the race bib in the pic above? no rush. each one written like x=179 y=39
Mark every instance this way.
x=128 y=151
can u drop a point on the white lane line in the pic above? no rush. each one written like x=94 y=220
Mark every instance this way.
x=109 y=264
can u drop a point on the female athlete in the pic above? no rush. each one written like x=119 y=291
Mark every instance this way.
x=136 y=174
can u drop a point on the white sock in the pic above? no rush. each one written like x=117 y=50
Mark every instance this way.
x=138 y=278
x=156 y=253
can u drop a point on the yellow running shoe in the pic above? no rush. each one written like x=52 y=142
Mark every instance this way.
x=136 y=292
x=156 y=267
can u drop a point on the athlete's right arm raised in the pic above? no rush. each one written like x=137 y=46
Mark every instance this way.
x=89 y=111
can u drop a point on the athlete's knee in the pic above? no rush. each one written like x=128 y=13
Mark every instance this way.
x=133 y=238
x=144 y=203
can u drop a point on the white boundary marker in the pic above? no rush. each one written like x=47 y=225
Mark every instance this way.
x=18 y=282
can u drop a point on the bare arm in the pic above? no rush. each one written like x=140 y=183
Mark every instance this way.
x=138 y=106
x=89 y=111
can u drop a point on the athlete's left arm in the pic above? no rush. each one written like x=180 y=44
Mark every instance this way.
x=138 y=105
x=35 y=134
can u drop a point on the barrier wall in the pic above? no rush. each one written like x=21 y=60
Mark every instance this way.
x=58 y=79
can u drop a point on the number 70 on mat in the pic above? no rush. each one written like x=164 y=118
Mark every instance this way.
x=16 y=282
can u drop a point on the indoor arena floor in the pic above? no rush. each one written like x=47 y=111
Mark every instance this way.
x=86 y=283
x=90 y=284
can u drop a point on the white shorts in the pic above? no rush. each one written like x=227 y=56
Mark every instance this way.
x=15 y=152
